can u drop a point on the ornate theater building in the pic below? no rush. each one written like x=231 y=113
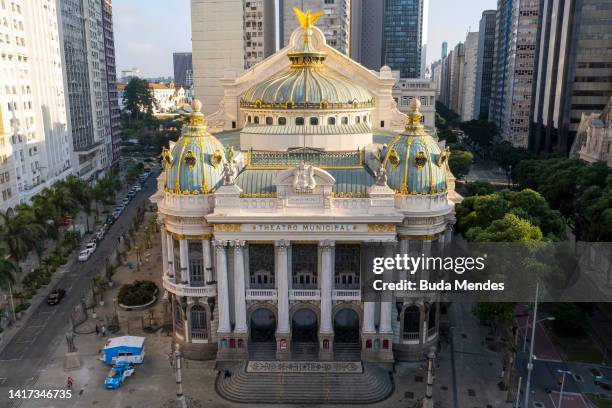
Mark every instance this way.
x=272 y=208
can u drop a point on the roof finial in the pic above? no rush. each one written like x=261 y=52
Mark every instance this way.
x=307 y=20
x=196 y=106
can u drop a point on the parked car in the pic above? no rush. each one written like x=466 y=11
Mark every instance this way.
x=137 y=188
x=598 y=376
x=125 y=201
x=100 y=235
x=55 y=296
x=91 y=247
x=84 y=255
x=117 y=374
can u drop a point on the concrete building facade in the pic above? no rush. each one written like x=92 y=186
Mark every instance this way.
x=484 y=65
x=222 y=44
x=406 y=90
x=35 y=146
x=111 y=79
x=183 y=69
x=403 y=35
x=573 y=71
x=367 y=22
x=468 y=104
x=455 y=91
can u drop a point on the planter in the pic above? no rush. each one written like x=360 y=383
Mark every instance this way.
x=101 y=303
x=139 y=307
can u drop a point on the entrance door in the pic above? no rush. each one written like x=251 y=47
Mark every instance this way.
x=346 y=326
x=304 y=333
x=263 y=326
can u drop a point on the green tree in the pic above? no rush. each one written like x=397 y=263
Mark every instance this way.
x=20 y=234
x=138 y=98
x=570 y=320
x=480 y=187
x=460 y=162
x=495 y=314
x=481 y=133
x=510 y=228
x=8 y=270
x=508 y=156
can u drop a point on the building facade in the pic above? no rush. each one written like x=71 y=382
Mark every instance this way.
x=444 y=49
x=268 y=232
x=367 y=22
x=183 y=69
x=403 y=36
x=225 y=50
x=86 y=81
x=574 y=70
x=593 y=140
x=455 y=91
x=111 y=79
x=517 y=25
x=35 y=145
x=423 y=90
x=470 y=67
x=335 y=23
x=484 y=65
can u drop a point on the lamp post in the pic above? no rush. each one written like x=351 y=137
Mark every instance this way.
x=428 y=401
x=562 y=384
x=180 y=397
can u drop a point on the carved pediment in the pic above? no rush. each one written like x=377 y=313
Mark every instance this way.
x=304 y=179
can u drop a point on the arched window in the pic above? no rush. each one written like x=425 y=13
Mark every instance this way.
x=196 y=264
x=282 y=121
x=331 y=121
x=199 y=328
x=299 y=121
x=357 y=119
x=412 y=317
x=257 y=119
x=344 y=120
x=249 y=119
x=269 y=120
x=365 y=119
x=314 y=121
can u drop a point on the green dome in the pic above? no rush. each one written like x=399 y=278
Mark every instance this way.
x=307 y=83
x=194 y=165
x=414 y=161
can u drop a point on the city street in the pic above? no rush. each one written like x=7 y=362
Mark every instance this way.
x=22 y=358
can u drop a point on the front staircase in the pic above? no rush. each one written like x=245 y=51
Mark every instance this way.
x=262 y=351
x=372 y=385
x=347 y=352
x=304 y=351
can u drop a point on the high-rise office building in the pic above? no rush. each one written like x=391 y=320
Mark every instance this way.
x=444 y=49
x=111 y=79
x=183 y=69
x=468 y=104
x=511 y=99
x=229 y=48
x=85 y=79
x=35 y=146
x=403 y=36
x=484 y=67
x=367 y=21
x=573 y=70
x=455 y=94
x=335 y=24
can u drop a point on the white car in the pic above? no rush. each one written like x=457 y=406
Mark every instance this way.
x=137 y=188
x=91 y=247
x=84 y=255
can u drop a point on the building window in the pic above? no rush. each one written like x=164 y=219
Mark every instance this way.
x=382 y=123
x=331 y=121
x=412 y=317
x=304 y=259
x=261 y=266
x=344 y=120
x=199 y=328
x=196 y=264
x=256 y=119
x=299 y=121
x=269 y=120
x=357 y=119
x=282 y=121
x=314 y=121
x=347 y=266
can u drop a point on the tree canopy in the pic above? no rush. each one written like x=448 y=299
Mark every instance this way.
x=138 y=98
x=480 y=132
x=460 y=162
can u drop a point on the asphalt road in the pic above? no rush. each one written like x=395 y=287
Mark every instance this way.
x=23 y=357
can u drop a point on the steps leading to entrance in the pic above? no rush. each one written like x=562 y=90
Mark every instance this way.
x=373 y=385
x=262 y=350
x=347 y=352
x=304 y=351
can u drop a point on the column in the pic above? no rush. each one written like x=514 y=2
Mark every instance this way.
x=386 y=299
x=427 y=253
x=326 y=286
x=368 y=317
x=208 y=276
x=404 y=247
x=239 y=289
x=164 y=245
x=170 y=245
x=448 y=234
x=282 y=285
x=184 y=258
x=222 y=287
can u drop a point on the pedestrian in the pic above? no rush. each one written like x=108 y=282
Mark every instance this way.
x=69 y=383
x=97 y=330
x=103 y=330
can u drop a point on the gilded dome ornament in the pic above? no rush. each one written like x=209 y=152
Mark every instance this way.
x=420 y=160
x=190 y=160
x=216 y=159
x=393 y=158
x=307 y=20
x=166 y=158
x=443 y=157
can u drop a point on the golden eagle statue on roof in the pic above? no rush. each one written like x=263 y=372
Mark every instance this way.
x=307 y=20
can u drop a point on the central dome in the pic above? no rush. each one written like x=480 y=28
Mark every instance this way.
x=307 y=84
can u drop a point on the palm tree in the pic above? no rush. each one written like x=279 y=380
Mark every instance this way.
x=8 y=270
x=81 y=192
x=19 y=234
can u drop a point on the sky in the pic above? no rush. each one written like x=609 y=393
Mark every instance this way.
x=147 y=32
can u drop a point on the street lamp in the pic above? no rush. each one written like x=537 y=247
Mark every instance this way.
x=530 y=362
x=562 y=384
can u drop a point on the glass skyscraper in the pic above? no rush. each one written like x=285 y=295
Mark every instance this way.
x=403 y=36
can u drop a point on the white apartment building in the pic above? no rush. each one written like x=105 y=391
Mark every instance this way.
x=424 y=90
x=35 y=146
x=468 y=107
